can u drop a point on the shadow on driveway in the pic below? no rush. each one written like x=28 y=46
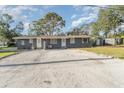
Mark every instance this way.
x=51 y=62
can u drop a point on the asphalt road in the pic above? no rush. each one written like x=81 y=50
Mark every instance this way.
x=61 y=68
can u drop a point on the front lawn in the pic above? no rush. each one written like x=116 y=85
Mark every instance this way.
x=3 y=54
x=111 y=51
x=121 y=45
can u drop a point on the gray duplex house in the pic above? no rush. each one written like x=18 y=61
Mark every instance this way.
x=52 y=42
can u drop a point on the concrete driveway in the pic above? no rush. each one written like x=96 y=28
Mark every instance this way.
x=61 y=68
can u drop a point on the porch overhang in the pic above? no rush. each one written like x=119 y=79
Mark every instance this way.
x=52 y=37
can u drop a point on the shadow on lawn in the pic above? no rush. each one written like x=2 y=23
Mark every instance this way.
x=51 y=62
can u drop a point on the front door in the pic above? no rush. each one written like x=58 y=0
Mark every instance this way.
x=63 y=42
x=38 y=42
x=44 y=44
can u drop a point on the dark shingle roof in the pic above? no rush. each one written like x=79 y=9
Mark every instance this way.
x=52 y=37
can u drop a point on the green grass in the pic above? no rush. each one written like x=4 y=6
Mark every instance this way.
x=121 y=45
x=3 y=54
x=111 y=51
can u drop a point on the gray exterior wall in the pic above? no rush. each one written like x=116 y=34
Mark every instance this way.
x=26 y=45
x=58 y=45
x=78 y=44
x=113 y=41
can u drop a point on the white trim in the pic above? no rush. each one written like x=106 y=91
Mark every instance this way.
x=63 y=42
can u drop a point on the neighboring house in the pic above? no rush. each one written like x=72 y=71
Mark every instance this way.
x=50 y=42
x=2 y=44
x=114 y=41
x=108 y=41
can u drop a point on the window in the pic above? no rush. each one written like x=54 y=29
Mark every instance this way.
x=53 y=41
x=22 y=42
x=72 y=40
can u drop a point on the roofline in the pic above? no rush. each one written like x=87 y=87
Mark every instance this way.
x=52 y=37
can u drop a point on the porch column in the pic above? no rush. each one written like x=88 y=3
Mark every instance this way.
x=32 y=44
x=63 y=42
x=44 y=44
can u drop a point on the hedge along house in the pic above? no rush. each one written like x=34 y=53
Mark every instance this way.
x=52 y=42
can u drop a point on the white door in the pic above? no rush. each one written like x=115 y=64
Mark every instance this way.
x=38 y=42
x=44 y=44
x=63 y=42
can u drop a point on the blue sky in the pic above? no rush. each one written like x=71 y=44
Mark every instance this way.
x=73 y=15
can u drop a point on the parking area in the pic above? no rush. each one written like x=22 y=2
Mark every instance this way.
x=61 y=68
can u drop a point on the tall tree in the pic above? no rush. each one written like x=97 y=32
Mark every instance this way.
x=50 y=24
x=19 y=27
x=6 y=31
x=119 y=8
x=86 y=29
x=95 y=29
x=108 y=20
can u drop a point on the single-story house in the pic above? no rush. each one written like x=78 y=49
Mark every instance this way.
x=113 y=41
x=100 y=41
x=2 y=43
x=52 y=42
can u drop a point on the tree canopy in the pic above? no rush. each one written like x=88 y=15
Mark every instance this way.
x=108 y=20
x=119 y=8
x=7 y=32
x=50 y=24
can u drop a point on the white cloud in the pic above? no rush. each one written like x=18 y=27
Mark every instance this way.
x=87 y=15
x=74 y=16
x=84 y=20
x=85 y=10
x=47 y=6
x=77 y=7
x=87 y=7
x=26 y=26
x=17 y=11
x=23 y=13
x=2 y=6
x=78 y=22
